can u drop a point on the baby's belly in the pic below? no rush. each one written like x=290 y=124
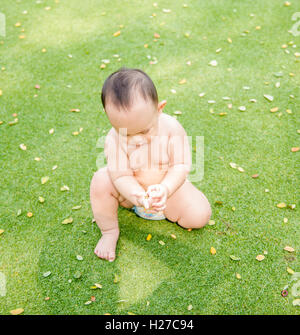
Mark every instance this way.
x=149 y=177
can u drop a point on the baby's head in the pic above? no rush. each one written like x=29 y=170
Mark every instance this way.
x=130 y=100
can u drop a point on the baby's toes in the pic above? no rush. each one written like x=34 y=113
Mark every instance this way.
x=111 y=256
x=96 y=251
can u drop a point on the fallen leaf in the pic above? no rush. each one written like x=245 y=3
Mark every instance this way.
x=161 y=242
x=290 y=271
x=46 y=274
x=173 y=236
x=260 y=257
x=41 y=200
x=269 y=97
x=1 y=231
x=79 y=258
x=29 y=214
x=295 y=149
x=44 y=179
x=182 y=81
x=254 y=176
x=148 y=238
x=65 y=188
x=96 y=286
x=213 y=251
x=238 y=276
x=285 y=220
x=234 y=258
x=23 y=147
x=88 y=302
x=211 y=222
x=17 y=311
x=213 y=63
x=289 y=249
x=67 y=221
x=281 y=205
x=190 y=307
x=76 y=110
x=117 y=33
x=76 y=207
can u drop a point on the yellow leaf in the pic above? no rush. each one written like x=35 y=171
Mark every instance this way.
x=29 y=214
x=17 y=311
x=41 y=200
x=190 y=307
x=67 y=221
x=213 y=251
x=290 y=271
x=148 y=238
x=161 y=242
x=260 y=257
x=182 y=81
x=238 y=276
x=211 y=222
x=289 y=249
x=117 y=33
x=281 y=205
x=173 y=236
x=44 y=179
x=1 y=231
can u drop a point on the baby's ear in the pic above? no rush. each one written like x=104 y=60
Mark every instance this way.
x=161 y=105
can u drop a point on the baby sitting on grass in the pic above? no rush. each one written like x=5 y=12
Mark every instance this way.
x=148 y=161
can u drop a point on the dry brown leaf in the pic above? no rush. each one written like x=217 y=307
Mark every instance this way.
x=289 y=249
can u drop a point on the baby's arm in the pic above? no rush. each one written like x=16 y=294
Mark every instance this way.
x=179 y=158
x=120 y=171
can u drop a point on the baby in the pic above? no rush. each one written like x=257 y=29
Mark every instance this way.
x=148 y=161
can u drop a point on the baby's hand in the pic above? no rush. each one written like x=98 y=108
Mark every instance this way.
x=158 y=194
x=142 y=199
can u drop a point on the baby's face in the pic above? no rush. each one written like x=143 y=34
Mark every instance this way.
x=138 y=124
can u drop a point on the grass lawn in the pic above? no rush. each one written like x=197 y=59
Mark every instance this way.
x=62 y=51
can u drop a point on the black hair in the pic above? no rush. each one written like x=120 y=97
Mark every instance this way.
x=119 y=88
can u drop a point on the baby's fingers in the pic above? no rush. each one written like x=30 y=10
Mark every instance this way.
x=160 y=203
x=160 y=208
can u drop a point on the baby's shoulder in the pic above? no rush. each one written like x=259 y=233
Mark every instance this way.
x=171 y=124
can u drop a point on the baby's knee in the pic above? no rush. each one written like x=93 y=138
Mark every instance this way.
x=100 y=182
x=197 y=218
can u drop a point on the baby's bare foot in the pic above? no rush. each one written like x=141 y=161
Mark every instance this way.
x=106 y=247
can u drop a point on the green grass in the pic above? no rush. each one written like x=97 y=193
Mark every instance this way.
x=182 y=272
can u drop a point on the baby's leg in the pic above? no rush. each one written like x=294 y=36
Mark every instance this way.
x=188 y=207
x=105 y=200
